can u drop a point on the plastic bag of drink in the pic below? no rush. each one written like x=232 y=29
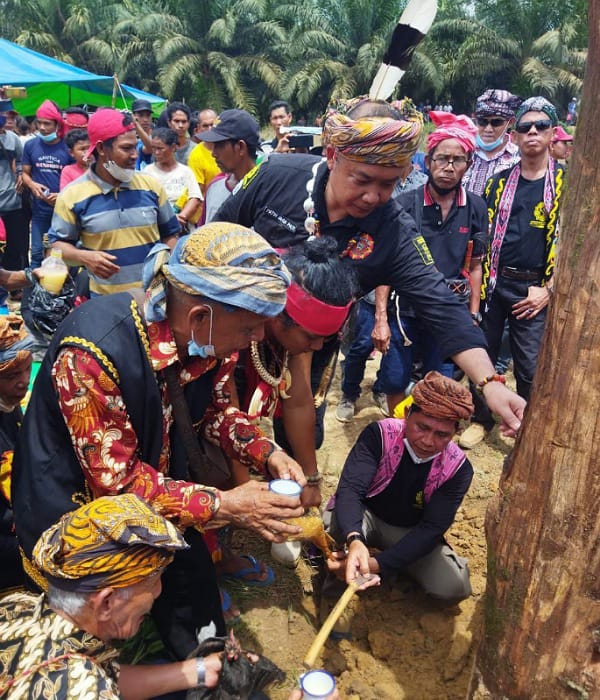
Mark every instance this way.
x=45 y=310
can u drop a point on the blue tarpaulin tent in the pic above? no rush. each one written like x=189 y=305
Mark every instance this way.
x=47 y=78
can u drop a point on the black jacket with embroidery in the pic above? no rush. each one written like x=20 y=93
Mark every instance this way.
x=384 y=248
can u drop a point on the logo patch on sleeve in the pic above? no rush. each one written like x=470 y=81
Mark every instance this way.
x=421 y=246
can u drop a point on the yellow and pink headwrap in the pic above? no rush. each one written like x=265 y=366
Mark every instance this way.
x=375 y=140
x=452 y=126
x=113 y=541
x=48 y=110
x=15 y=342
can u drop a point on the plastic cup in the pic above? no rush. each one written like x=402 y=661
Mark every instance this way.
x=317 y=685
x=286 y=487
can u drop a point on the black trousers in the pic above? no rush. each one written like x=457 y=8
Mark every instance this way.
x=525 y=337
x=16 y=256
x=190 y=598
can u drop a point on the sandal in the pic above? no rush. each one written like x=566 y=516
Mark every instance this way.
x=253 y=568
x=226 y=606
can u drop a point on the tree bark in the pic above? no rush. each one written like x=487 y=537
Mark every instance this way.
x=542 y=608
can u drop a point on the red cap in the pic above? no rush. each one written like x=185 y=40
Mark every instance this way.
x=105 y=124
x=561 y=135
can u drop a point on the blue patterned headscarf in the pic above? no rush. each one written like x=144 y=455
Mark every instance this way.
x=225 y=262
x=537 y=104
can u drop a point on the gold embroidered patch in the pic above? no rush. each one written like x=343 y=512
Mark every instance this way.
x=423 y=250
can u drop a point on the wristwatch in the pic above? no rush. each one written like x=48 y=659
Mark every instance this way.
x=355 y=536
x=201 y=671
x=476 y=316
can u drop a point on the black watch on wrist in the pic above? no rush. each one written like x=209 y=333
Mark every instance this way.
x=30 y=276
x=355 y=536
x=476 y=316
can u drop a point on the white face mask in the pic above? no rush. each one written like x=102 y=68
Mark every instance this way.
x=119 y=173
x=6 y=407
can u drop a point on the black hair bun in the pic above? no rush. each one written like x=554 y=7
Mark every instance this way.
x=321 y=249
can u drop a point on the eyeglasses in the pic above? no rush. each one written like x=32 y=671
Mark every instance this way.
x=448 y=160
x=495 y=121
x=540 y=125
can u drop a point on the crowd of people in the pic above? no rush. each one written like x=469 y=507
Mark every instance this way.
x=217 y=273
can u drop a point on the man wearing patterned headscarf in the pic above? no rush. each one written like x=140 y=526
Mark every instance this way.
x=349 y=196
x=518 y=281
x=108 y=414
x=104 y=563
x=399 y=492
x=495 y=115
x=44 y=157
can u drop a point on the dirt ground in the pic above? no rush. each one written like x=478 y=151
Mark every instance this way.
x=404 y=645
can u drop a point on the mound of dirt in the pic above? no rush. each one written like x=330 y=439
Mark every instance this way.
x=404 y=645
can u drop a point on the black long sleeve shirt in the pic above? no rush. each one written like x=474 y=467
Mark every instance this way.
x=401 y=503
x=384 y=247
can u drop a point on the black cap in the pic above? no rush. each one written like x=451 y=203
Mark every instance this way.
x=7 y=106
x=235 y=124
x=141 y=106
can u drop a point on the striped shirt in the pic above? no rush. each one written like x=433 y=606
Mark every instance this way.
x=484 y=167
x=125 y=221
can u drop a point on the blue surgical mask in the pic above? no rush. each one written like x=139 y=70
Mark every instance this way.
x=204 y=351
x=48 y=137
x=2 y=121
x=489 y=146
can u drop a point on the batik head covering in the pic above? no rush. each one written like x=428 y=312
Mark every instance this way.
x=375 y=140
x=15 y=342
x=113 y=541
x=452 y=126
x=441 y=397
x=537 y=104
x=497 y=103
x=225 y=262
x=48 y=110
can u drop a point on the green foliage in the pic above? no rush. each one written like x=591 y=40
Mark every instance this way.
x=245 y=53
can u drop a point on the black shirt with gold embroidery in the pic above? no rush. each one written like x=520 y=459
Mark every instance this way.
x=384 y=247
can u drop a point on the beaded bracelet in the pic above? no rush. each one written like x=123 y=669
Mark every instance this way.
x=491 y=378
x=314 y=479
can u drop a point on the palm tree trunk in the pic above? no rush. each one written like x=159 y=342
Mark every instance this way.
x=542 y=610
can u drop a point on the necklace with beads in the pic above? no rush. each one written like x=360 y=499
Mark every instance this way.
x=311 y=223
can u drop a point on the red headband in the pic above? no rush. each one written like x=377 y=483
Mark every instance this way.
x=313 y=315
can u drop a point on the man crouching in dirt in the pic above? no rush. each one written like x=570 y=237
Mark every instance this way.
x=399 y=492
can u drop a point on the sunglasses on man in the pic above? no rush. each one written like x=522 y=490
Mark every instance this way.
x=540 y=125
x=494 y=121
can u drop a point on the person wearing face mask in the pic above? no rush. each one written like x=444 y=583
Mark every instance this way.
x=124 y=386
x=494 y=115
x=44 y=157
x=113 y=215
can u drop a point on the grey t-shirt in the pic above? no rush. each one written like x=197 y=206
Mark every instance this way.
x=11 y=152
x=182 y=155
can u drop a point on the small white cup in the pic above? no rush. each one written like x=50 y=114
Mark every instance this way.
x=316 y=685
x=285 y=487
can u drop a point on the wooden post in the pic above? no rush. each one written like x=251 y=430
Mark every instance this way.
x=542 y=614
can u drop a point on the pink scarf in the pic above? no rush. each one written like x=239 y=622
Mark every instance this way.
x=444 y=466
